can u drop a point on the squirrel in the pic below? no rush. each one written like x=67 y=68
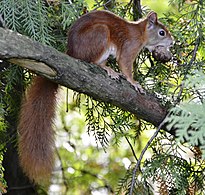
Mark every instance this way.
x=99 y=34
x=93 y=38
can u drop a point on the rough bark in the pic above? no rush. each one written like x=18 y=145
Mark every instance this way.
x=79 y=76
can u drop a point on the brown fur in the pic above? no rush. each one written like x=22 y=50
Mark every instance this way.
x=36 y=136
x=92 y=38
x=99 y=33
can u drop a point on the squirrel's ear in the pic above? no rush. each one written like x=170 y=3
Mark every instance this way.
x=152 y=19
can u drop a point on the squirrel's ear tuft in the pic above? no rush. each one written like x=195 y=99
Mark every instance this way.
x=152 y=19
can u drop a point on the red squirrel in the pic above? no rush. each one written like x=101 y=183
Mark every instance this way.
x=93 y=38
x=99 y=34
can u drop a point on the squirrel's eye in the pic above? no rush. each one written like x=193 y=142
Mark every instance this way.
x=162 y=32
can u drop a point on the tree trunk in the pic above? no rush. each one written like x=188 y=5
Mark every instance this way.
x=18 y=183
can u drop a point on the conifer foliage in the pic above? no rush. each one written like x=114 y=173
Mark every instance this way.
x=126 y=155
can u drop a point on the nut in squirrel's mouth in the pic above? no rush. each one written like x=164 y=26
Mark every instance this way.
x=162 y=53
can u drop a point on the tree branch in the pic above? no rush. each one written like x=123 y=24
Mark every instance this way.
x=79 y=76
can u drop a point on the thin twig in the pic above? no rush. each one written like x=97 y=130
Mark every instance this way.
x=62 y=170
x=21 y=187
x=2 y=21
x=128 y=141
x=137 y=166
x=188 y=66
x=103 y=5
x=195 y=51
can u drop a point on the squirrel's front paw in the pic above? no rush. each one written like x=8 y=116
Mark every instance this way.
x=139 y=88
x=112 y=73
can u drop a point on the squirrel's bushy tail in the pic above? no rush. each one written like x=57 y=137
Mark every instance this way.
x=36 y=135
